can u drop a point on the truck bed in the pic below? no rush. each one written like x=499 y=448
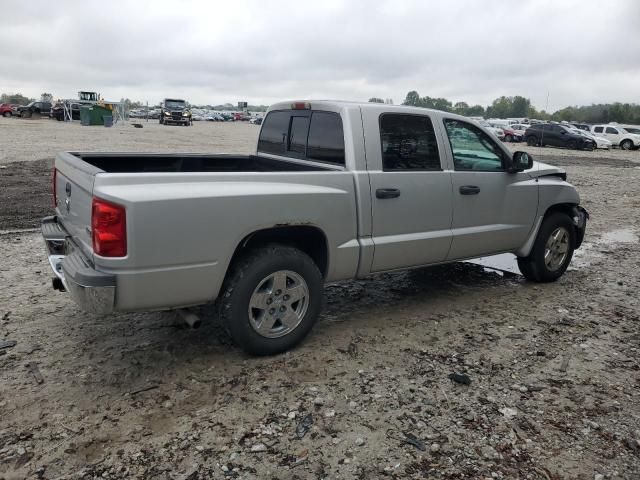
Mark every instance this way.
x=177 y=163
x=186 y=214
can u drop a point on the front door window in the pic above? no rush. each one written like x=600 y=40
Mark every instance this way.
x=472 y=148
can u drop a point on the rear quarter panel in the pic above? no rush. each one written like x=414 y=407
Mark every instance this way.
x=183 y=229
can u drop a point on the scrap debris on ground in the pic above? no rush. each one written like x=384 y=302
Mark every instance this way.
x=449 y=372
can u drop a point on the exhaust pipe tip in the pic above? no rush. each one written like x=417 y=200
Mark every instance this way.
x=190 y=318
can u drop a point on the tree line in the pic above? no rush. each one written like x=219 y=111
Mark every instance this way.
x=520 y=107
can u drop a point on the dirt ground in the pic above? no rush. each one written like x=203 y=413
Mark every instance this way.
x=554 y=369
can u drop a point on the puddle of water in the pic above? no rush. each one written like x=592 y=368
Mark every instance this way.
x=505 y=262
x=623 y=235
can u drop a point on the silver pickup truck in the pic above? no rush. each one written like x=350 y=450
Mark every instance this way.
x=335 y=190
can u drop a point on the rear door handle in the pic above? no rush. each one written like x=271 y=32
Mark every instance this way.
x=387 y=193
x=469 y=190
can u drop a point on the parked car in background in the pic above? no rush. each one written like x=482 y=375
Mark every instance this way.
x=256 y=121
x=498 y=132
x=57 y=111
x=499 y=123
x=34 y=108
x=7 y=109
x=618 y=136
x=601 y=142
x=557 y=135
x=333 y=191
x=512 y=135
x=241 y=116
x=582 y=126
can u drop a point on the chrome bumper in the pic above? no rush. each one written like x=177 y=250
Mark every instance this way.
x=93 y=291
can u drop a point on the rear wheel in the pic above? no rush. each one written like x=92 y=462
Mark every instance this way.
x=552 y=251
x=626 y=145
x=271 y=299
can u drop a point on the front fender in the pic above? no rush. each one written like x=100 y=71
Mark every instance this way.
x=552 y=191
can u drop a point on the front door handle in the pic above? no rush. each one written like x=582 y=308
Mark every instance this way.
x=387 y=193
x=469 y=190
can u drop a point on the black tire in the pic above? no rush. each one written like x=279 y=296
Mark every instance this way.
x=572 y=144
x=534 y=267
x=6 y=114
x=508 y=139
x=532 y=141
x=245 y=276
x=26 y=114
x=626 y=145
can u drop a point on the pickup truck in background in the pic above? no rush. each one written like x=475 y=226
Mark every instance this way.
x=34 y=108
x=335 y=191
x=175 y=111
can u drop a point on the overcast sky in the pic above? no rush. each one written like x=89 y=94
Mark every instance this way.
x=211 y=52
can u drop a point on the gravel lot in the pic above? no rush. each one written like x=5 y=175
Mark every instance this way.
x=554 y=369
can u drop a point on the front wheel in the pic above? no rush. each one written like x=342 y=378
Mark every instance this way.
x=552 y=251
x=6 y=114
x=271 y=299
x=508 y=139
x=532 y=141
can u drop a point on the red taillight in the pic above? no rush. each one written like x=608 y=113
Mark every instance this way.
x=55 y=194
x=108 y=229
x=301 y=106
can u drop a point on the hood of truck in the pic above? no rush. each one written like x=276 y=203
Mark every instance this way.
x=540 y=169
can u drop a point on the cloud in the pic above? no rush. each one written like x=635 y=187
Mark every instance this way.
x=580 y=52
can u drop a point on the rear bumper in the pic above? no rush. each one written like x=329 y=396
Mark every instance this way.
x=93 y=291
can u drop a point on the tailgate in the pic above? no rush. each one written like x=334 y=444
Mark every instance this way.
x=74 y=190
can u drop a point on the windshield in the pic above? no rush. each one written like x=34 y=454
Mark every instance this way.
x=175 y=104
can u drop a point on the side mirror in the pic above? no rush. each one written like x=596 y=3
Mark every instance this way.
x=520 y=161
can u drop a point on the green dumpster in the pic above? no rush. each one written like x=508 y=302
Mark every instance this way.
x=93 y=114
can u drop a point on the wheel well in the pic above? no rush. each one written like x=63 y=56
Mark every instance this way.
x=309 y=239
x=566 y=208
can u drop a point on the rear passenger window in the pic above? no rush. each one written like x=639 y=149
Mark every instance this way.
x=303 y=134
x=408 y=143
x=326 y=138
x=598 y=129
x=612 y=130
x=273 y=136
